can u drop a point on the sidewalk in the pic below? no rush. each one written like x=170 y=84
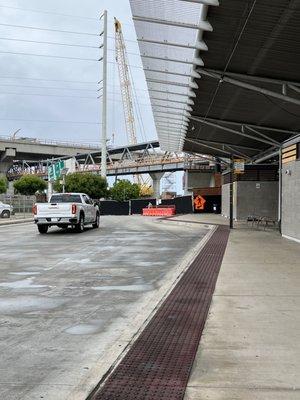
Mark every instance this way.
x=250 y=348
x=16 y=219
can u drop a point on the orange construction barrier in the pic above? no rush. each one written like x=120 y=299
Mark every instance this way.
x=159 y=212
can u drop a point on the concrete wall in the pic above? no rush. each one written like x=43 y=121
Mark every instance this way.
x=251 y=198
x=200 y=180
x=258 y=198
x=291 y=200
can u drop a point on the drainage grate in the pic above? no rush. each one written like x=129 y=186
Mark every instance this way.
x=158 y=365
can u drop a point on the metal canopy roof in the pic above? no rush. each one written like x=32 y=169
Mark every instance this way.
x=238 y=75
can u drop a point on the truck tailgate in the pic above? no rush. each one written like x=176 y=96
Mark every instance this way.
x=54 y=210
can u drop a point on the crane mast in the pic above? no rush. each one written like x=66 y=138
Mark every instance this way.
x=126 y=89
x=127 y=98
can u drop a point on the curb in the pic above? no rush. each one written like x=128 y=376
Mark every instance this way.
x=16 y=222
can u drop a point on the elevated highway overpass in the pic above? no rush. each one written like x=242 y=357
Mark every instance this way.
x=37 y=150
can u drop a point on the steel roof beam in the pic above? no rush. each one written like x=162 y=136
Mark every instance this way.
x=195 y=61
x=294 y=87
x=199 y=45
x=187 y=102
x=192 y=85
x=262 y=135
x=204 y=2
x=209 y=147
x=173 y=106
x=235 y=123
x=265 y=157
x=189 y=94
x=240 y=146
x=203 y=25
x=188 y=108
x=235 y=132
x=185 y=113
x=170 y=124
x=174 y=129
x=248 y=86
x=166 y=116
x=193 y=73
x=253 y=77
x=170 y=120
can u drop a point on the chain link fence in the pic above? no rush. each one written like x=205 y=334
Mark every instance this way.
x=19 y=206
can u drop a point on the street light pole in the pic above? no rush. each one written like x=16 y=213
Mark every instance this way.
x=104 y=99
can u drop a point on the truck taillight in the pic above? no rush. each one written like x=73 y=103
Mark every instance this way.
x=74 y=208
x=34 y=209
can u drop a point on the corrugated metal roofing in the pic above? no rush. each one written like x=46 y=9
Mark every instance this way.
x=253 y=42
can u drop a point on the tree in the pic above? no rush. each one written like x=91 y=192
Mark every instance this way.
x=3 y=185
x=29 y=185
x=123 y=190
x=93 y=185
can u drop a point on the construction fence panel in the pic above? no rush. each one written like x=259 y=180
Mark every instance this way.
x=138 y=205
x=183 y=204
x=111 y=207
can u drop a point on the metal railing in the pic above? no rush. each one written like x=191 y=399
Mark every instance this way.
x=189 y=161
x=49 y=142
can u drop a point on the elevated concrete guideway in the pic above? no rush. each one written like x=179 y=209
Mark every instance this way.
x=34 y=149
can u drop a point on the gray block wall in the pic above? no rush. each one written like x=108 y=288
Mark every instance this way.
x=290 y=222
x=200 y=180
x=251 y=198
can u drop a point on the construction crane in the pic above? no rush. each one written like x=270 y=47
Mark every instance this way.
x=127 y=98
x=126 y=89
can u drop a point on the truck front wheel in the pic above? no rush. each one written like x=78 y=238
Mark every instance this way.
x=43 y=229
x=97 y=221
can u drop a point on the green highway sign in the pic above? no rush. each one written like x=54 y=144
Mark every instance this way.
x=54 y=171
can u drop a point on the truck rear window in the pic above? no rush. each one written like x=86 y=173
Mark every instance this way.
x=65 y=198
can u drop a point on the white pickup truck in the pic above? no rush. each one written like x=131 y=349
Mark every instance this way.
x=66 y=209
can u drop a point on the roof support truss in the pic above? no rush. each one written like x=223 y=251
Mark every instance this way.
x=230 y=130
x=238 y=146
x=246 y=124
x=253 y=77
x=248 y=86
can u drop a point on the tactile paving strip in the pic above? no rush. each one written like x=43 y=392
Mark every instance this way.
x=158 y=365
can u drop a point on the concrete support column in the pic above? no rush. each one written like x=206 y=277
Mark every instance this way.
x=156 y=178
x=4 y=167
x=6 y=160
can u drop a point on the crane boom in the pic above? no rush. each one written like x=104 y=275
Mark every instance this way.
x=126 y=89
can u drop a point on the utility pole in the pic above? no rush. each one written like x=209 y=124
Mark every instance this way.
x=104 y=98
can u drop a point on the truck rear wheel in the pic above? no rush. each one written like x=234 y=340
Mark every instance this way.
x=80 y=226
x=43 y=229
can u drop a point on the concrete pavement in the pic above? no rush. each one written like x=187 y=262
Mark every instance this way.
x=250 y=349
x=71 y=303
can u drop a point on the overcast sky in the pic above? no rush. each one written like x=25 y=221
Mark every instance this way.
x=77 y=105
